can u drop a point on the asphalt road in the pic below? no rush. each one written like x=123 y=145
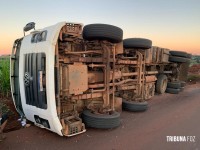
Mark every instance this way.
x=168 y=115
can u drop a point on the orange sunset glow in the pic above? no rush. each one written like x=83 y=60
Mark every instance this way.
x=169 y=24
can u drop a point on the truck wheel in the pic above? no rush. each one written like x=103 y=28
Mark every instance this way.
x=137 y=43
x=179 y=53
x=172 y=91
x=178 y=59
x=102 y=32
x=175 y=85
x=161 y=84
x=101 y=121
x=134 y=106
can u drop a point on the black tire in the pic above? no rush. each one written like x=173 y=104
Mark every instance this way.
x=183 y=83
x=178 y=59
x=140 y=43
x=134 y=106
x=179 y=53
x=107 y=32
x=161 y=84
x=175 y=85
x=101 y=121
x=172 y=91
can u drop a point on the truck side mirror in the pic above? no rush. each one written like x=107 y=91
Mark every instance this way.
x=29 y=26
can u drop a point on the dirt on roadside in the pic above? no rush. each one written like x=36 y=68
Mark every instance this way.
x=195 y=69
x=194 y=74
x=13 y=123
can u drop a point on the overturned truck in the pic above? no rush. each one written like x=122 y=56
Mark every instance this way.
x=65 y=77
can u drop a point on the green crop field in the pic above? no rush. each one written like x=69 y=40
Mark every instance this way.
x=4 y=76
x=195 y=60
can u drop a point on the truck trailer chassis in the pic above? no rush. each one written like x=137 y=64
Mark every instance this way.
x=64 y=78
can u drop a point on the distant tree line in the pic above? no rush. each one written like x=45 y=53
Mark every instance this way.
x=195 y=60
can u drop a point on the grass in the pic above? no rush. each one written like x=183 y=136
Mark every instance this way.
x=4 y=109
x=5 y=77
x=195 y=60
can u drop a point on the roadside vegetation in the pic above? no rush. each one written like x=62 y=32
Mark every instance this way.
x=194 y=70
x=4 y=84
x=6 y=103
x=4 y=77
x=195 y=60
x=193 y=78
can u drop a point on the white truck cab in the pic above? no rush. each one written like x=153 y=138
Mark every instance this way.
x=33 y=77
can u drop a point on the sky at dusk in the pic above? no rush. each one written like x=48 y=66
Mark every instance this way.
x=173 y=24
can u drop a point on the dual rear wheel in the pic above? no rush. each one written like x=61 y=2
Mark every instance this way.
x=175 y=87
